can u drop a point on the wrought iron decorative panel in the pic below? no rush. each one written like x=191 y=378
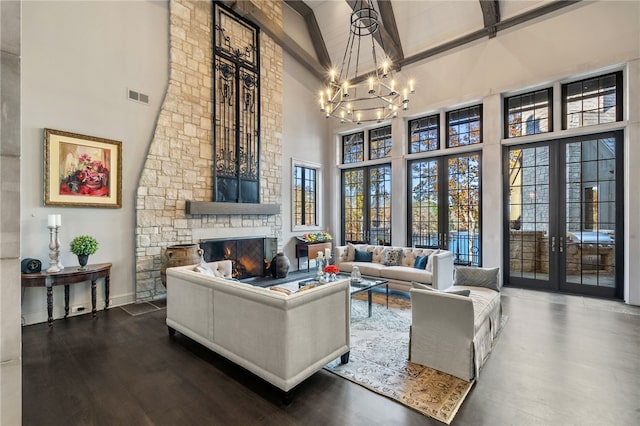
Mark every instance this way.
x=236 y=109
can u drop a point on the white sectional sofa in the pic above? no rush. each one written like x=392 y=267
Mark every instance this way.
x=438 y=272
x=452 y=333
x=281 y=338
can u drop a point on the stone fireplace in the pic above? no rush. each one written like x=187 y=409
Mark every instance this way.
x=178 y=169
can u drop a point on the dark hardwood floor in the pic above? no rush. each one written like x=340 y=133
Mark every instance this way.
x=560 y=360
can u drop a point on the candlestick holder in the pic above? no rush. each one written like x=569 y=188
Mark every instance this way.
x=53 y=250
x=58 y=248
x=320 y=262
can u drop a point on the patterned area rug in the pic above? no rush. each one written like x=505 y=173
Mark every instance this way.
x=378 y=361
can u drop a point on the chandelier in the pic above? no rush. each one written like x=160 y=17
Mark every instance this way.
x=369 y=98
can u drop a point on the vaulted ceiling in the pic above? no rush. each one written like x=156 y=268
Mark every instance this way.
x=315 y=32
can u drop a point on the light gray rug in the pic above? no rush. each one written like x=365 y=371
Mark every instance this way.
x=378 y=361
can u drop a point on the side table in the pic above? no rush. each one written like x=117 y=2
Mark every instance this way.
x=310 y=251
x=71 y=275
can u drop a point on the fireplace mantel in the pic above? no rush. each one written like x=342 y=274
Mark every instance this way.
x=213 y=207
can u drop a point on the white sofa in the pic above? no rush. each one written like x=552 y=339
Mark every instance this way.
x=438 y=273
x=452 y=333
x=281 y=338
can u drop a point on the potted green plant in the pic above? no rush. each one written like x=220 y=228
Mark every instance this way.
x=83 y=246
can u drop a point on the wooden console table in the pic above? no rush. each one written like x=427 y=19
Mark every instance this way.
x=310 y=251
x=68 y=276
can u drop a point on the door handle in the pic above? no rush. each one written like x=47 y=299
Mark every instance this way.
x=553 y=244
x=561 y=246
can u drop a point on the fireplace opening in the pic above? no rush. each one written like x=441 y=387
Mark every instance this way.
x=247 y=255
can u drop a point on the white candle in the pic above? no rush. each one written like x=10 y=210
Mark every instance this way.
x=52 y=220
x=58 y=220
x=327 y=253
x=319 y=255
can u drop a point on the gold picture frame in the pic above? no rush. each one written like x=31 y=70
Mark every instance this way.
x=81 y=170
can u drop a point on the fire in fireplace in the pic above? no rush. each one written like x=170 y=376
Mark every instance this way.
x=247 y=255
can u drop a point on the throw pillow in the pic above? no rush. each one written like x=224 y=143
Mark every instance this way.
x=421 y=286
x=463 y=292
x=477 y=277
x=363 y=256
x=421 y=262
x=203 y=268
x=351 y=253
x=429 y=266
x=450 y=290
x=392 y=257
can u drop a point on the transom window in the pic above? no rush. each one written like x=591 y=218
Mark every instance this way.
x=380 y=143
x=424 y=134
x=592 y=101
x=353 y=148
x=464 y=126
x=528 y=114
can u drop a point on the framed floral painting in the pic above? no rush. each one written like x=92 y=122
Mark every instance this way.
x=82 y=171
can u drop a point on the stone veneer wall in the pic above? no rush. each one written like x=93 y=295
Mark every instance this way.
x=179 y=162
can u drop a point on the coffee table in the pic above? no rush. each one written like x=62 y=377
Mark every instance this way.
x=365 y=284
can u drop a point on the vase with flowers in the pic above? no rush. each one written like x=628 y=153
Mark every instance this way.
x=83 y=246
x=330 y=272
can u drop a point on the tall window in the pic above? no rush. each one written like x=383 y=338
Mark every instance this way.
x=366 y=195
x=353 y=148
x=424 y=134
x=528 y=114
x=464 y=126
x=444 y=205
x=236 y=88
x=380 y=143
x=305 y=195
x=592 y=101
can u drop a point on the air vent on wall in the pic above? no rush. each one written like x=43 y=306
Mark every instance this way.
x=137 y=96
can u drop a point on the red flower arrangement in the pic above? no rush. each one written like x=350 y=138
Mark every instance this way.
x=331 y=269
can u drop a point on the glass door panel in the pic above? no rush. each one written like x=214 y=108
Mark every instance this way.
x=353 y=207
x=463 y=226
x=423 y=203
x=590 y=214
x=528 y=215
x=380 y=205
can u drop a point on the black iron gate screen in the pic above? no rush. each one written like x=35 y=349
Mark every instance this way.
x=236 y=86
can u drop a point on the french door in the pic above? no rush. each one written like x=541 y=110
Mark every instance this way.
x=366 y=208
x=563 y=215
x=444 y=205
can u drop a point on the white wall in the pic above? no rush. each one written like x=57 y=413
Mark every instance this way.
x=305 y=138
x=569 y=43
x=79 y=58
